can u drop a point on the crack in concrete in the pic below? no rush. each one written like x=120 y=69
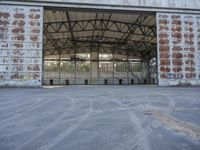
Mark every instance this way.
x=48 y=128
x=54 y=142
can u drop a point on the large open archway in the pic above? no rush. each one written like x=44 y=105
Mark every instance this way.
x=96 y=47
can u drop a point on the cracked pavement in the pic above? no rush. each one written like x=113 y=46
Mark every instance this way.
x=100 y=118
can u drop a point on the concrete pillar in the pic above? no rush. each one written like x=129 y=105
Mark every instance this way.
x=143 y=70
x=94 y=68
x=148 y=68
x=127 y=63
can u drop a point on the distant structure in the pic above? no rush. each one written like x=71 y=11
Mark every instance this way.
x=64 y=42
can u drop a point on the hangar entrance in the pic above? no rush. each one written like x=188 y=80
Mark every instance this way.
x=95 y=47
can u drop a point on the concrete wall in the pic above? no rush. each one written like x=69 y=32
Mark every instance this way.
x=194 y=4
x=181 y=6
x=20 y=45
x=191 y=4
x=21 y=41
x=178 y=49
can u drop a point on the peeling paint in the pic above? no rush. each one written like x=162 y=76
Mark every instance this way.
x=21 y=54
x=178 y=55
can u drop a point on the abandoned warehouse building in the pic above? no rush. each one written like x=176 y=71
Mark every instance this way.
x=116 y=43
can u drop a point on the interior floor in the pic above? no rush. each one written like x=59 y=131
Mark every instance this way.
x=94 y=47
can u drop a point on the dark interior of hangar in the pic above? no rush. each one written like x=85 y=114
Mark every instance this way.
x=94 y=47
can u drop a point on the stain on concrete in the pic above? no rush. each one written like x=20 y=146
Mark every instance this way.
x=189 y=129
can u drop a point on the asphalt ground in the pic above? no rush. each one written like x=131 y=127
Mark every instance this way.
x=95 y=117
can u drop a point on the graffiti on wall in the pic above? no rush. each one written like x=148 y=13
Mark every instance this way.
x=20 y=44
x=178 y=47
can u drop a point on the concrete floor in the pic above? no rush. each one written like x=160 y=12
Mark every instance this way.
x=100 y=118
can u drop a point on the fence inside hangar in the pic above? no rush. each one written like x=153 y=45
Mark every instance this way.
x=80 y=68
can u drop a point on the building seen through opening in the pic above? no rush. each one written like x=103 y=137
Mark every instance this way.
x=94 y=47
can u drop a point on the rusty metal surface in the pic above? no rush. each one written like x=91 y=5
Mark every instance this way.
x=20 y=45
x=178 y=49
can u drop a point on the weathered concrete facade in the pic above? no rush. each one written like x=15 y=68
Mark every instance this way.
x=178 y=36
x=21 y=45
x=178 y=49
x=183 y=4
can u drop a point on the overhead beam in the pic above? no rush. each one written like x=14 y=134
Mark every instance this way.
x=92 y=21
x=106 y=25
x=110 y=30
x=139 y=22
x=52 y=41
x=70 y=27
x=95 y=38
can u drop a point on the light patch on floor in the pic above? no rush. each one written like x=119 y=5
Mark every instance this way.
x=188 y=129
